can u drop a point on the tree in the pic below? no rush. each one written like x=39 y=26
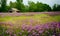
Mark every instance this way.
x=43 y=7
x=3 y=5
x=0 y=3
x=32 y=6
x=19 y=4
x=12 y=4
x=24 y=8
x=38 y=7
x=47 y=7
x=56 y=7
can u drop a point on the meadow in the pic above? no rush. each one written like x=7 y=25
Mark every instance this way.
x=33 y=25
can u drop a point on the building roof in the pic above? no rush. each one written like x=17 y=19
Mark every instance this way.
x=13 y=9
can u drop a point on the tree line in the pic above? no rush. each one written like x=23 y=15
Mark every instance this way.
x=31 y=7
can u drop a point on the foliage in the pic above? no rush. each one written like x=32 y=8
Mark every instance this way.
x=3 y=5
x=24 y=8
x=12 y=4
x=19 y=4
x=38 y=7
x=31 y=7
x=43 y=7
x=56 y=7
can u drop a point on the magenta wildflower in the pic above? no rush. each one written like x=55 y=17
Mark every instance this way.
x=41 y=31
x=53 y=35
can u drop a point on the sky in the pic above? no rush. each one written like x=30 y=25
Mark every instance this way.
x=49 y=2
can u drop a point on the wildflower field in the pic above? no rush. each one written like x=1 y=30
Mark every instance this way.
x=33 y=25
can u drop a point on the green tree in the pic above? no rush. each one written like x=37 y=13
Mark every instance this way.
x=3 y=5
x=42 y=7
x=56 y=7
x=0 y=3
x=19 y=4
x=12 y=4
x=47 y=7
x=24 y=8
x=32 y=6
x=38 y=7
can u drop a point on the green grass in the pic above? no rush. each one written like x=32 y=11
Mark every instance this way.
x=36 y=19
x=57 y=18
x=18 y=21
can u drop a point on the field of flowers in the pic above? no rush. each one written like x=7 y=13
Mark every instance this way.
x=33 y=25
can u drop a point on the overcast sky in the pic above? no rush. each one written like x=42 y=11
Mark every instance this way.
x=49 y=2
